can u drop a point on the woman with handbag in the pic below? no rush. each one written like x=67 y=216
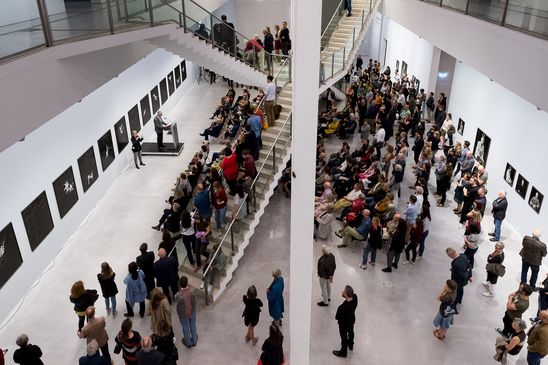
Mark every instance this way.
x=494 y=259
x=159 y=311
x=128 y=342
x=444 y=317
x=82 y=298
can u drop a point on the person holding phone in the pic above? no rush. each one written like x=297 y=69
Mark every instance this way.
x=137 y=148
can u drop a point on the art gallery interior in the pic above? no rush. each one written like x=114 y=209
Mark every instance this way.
x=76 y=80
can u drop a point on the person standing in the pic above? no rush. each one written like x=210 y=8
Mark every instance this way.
x=27 y=354
x=129 y=341
x=220 y=202
x=460 y=272
x=538 y=340
x=82 y=298
x=137 y=148
x=495 y=258
x=251 y=313
x=186 y=311
x=148 y=355
x=516 y=341
x=499 y=213
x=93 y=357
x=145 y=263
x=159 y=311
x=444 y=317
x=326 y=270
x=108 y=287
x=95 y=330
x=269 y=100
x=284 y=38
x=269 y=49
x=397 y=229
x=346 y=318
x=159 y=126
x=532 y=252
x=348 y=7
x=374 y=243
x=415 y=235
x=166 y=273
x=275 y=297
x=136 y=290
x=272 y=349
x=202 y=202
x=188 y=232
x=516 y=305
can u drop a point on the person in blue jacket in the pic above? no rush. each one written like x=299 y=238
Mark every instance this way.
x=275 y=297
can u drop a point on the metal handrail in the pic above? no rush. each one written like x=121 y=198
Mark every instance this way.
x=336 y=12
x=362 y=23
x=263 y=99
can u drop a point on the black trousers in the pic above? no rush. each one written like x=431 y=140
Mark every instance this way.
x=160 y=139
x=190 y=245
x=129 y=308
x=174 y=289
x=507 y=330
x=347 y=337
x=106 y=353
x=411 y=248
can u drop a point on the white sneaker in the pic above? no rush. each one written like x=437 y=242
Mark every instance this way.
x=362 y=266
x=419 y=258
x=487 y=294
x=405 y=262
x=412 y=262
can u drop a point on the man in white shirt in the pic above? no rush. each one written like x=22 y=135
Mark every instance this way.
x=379 y=140
x=270 y=98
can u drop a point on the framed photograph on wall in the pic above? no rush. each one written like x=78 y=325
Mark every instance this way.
x=120 y=131
x=183 y=70
x=37 y=219
x=155 y=98
x=481 y=147
x=177 y=73
x=106 y=150
x=10 y=255
x=403 y=69
x=397 y=66
x=535 y=199
x=134 y=119
x=170 y=83
x=163 y=91
x=88 y=169
x=145 y=109
x=460 y=127
x=509 y=174
x=521 y=186
x=65 y=191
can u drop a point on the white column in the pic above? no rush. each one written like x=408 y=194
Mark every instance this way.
x=306 y=16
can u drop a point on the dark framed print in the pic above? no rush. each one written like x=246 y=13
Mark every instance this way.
x=521 y=186
x=145 y=109
x=403 y=69
x=397 y=66
x=460 y=127
x=37 y=219
x=177 y=73
x=65 y=191
x=183 y=70
x=535 y=199
x=106 y=150
x=155 y=98
x=509 y=174
x=481 y=147
x=88 y=168
x=134 y=119
x=122 y=137
x=163 y=91
x=10 y=255
x=170 y=83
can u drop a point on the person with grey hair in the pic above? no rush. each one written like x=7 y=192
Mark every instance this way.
x=27 y=353
x=494 y=259
x=326 y=270
x=499 y=213
x=274 y=294
x=93 y=357
x=95 y=330
x=148 y=355
x=516 y=341
x=346 y=318
x=532 y=252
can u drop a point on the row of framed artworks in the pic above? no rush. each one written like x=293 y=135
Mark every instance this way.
x=37 y=217
x=522 y=185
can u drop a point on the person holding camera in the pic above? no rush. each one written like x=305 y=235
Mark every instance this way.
x=137 y=148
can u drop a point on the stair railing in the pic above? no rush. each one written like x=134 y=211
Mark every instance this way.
x=332 y=25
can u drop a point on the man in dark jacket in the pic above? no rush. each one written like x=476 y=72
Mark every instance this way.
x=93 y=357
x=346 y=318
x=269 y=49
x=136 y=148
x=27 y=353
x=228 y=34
x=499 y=213
x=460 y=272
x=165 y=272
x=532 y=252
x=397 y=228
x=148 y=355
x=326 y=270
x=145 y=261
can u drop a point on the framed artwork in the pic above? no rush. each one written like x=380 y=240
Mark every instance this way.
x=10 y=255
x=481 y=147
x=155 y=98
x=521 y=186
x=163 y=91
x=106 y=150
x=460 y=127
x=183 y=70
x=88 y=168
x=177 y=73
x=535 y=199
x=65 y=191
x=145 y=109
x=120 y=131
x=170 y=83
x=397 y=65
x=134 y=119
x=403 y=68
x=37 y=219
x=509 y=174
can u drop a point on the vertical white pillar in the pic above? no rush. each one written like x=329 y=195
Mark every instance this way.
x=306 y=17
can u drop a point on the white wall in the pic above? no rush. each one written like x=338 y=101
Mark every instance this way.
x=371 y=45
x=518 y=132
x=15 y=11
x=31 y=166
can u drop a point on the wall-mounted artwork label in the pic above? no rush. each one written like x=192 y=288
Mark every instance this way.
x=509 y=174
x=65 y=191
x=521 y=186
x=177 y=73
x=10 y=255
x=120 y=130
x=163 y=91
x=481 y=147
x=460 y=126
x=134 y=119
x=106 y=149
x=145 y=109
x=155 y=98
x=535 y=199
x=183 y=70
x=37 y=219
x=88 y=169
x=171 y=83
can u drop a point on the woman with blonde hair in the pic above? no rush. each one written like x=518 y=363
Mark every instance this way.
x=108 y=287
x=82 y=298
x=159 y=311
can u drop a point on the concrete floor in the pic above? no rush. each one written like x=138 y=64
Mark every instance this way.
x=394 y=316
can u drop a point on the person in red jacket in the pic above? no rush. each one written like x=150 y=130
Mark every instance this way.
x=229 y=165
x=220 y=202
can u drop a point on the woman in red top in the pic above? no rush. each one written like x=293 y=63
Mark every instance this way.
x=415 y=235
x=229 y=165
x=220 y=201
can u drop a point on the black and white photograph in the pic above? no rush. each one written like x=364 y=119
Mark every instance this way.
x=10 y=255
x=120 y=130
x=509 y=174
x=106 y=149
x=403 y=68
x=397 y=66
x=535 y=199
x=481 y=147
x=88 y=169
x=134 y=119
x=145 y=109
x=163 y=91
x=521 y=186
x=155 y=99
x=460 y=127
x=37 y=219
x=183 y=70
x=171 y=83
x=177 y=73
x=65 y=191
